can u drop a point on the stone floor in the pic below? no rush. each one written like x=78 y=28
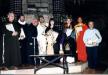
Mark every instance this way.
x=86 y=71
x=73 y=69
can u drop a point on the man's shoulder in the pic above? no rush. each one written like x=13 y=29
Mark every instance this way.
x=96 y=30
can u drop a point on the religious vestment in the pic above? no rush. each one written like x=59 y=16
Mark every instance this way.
x=81 y=49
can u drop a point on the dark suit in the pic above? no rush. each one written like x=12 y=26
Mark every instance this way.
x=32 y=32
x=23 y=44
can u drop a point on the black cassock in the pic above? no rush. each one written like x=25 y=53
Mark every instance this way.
x=32 y=32
x=1 y=49
x=23 y=44
x=1 y=43
x=12 y=55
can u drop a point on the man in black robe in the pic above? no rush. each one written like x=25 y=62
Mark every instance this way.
x=23 y=39
x=12 y=57
x=32 y=32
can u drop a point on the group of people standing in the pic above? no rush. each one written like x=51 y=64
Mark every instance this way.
x=78 y=40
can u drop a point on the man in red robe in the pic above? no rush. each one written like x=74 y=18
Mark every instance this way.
x=80 y=28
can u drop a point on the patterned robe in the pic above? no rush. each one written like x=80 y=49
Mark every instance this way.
x=51 y=40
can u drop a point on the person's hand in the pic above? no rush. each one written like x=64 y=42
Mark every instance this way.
x=89 y=42
x=94 y=43
x=14 y=33
x=61 y=52
x=21 y=37
x=76 y=51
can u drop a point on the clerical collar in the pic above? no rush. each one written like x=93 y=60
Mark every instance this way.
x=22 y=23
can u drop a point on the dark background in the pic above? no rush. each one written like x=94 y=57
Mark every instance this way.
x=96 y=10
x=4 y=7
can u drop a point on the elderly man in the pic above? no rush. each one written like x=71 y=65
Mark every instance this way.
x=32 y=32
x=92 y=39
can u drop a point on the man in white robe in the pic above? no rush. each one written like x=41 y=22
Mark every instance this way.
x=41 y=38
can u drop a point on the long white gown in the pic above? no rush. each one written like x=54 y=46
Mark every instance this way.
x=41 y=38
